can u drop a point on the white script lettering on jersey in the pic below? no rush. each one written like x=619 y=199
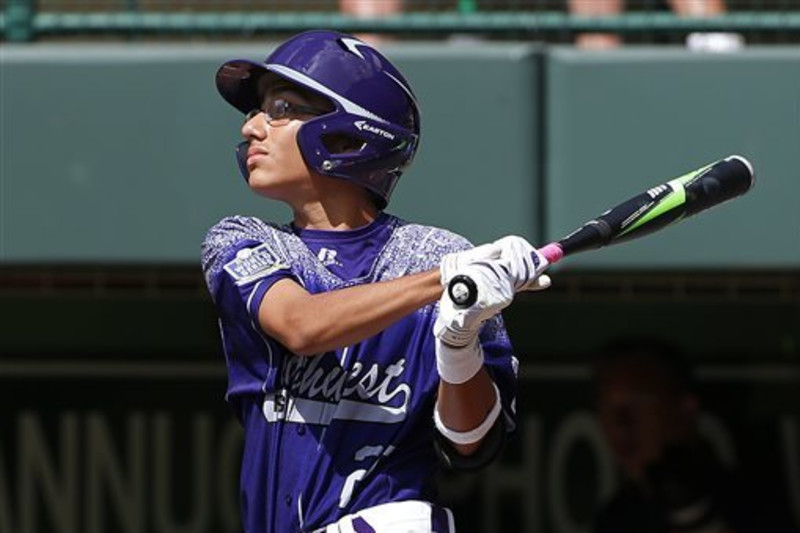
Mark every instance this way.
x=316 y=396
x=328 y=257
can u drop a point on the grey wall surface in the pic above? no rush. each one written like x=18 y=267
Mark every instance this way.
x=125 y=153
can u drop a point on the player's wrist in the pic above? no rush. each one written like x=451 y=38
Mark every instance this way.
x=452 y=335
x=458 y=364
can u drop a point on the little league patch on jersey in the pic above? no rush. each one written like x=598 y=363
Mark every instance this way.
x=251 y=264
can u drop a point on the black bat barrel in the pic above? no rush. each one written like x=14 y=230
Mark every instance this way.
x=645 y=213
x=725 y=180
x=659 y=207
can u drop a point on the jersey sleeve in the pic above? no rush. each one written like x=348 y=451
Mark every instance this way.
x=240 y=263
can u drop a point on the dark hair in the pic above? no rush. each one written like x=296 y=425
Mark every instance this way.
x=669 y=360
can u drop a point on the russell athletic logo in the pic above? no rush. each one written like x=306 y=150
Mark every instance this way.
x=328 y=257
x=362 y=125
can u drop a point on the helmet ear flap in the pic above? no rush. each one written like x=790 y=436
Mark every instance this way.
x=383 y=151
x=345 y=140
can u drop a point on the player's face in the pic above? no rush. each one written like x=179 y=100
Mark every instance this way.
x=274 y=162
x=639 y=414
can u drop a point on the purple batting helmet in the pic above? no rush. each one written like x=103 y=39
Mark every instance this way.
x=373 y=105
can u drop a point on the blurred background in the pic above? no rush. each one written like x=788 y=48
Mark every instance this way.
x=116 y=155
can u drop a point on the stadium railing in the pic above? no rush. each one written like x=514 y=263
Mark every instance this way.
x=769 y=21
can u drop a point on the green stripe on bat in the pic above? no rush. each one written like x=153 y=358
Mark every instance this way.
x=686 y=179
x=673 y=199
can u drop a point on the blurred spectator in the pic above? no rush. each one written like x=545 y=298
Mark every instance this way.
x=371 y=9
x=715 y=41
x=648 y=408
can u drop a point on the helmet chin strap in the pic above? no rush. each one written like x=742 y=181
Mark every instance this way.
x=241 y=159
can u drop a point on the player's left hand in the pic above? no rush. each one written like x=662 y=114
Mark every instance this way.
x=457 y=326
x=451 y=263
x=526 y=266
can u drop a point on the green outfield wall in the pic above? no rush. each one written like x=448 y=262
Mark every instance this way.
x=124 y=153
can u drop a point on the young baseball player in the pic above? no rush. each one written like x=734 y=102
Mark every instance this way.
x=349 y=367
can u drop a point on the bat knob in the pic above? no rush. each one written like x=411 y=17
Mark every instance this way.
x=463 y=292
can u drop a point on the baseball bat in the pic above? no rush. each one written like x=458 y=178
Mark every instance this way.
x=650 y=211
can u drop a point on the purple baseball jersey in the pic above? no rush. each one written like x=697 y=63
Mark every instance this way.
x=334 y=433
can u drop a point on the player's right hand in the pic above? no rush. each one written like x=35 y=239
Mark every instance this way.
x=458 y=326
x=524 y=263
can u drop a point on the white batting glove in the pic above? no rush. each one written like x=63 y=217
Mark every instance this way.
x=458 y=327
x=525 y=264
x=451 y=263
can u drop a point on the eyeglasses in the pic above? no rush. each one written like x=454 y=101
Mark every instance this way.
x=279 y=112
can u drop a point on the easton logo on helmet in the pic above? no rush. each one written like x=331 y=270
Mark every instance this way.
x=363 y=126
